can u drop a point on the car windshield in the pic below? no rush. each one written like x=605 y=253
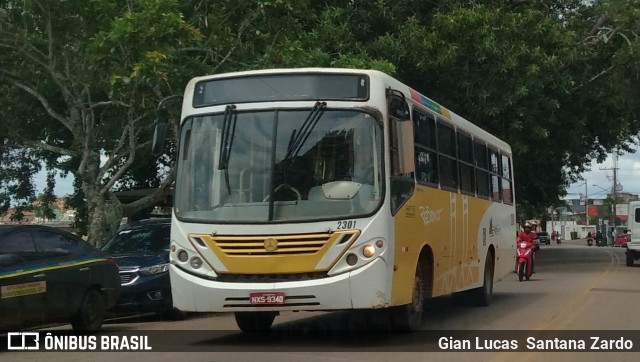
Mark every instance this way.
x=146 y=238
x=543 y=233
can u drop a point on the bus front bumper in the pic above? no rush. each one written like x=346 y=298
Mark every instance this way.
x=363 y=288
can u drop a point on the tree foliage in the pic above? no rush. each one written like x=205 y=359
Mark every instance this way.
x=558 y=80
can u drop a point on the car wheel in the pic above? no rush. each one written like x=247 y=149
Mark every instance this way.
x=91 y=312
x=629 y=258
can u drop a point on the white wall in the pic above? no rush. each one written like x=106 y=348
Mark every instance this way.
x=569 y=226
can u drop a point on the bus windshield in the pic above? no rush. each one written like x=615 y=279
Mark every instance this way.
x=279 y=165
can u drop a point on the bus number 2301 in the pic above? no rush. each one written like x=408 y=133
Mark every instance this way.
x=348 y=224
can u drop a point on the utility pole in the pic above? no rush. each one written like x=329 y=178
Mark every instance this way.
x=586 y=202
x=614 y=196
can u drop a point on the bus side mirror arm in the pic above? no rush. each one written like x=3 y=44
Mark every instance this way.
x=159 y=135
x=161 y=124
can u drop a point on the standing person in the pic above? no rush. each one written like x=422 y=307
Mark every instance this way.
x=553 y=235
x=528 y=236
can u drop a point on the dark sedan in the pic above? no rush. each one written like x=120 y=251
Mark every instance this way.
x=142 y=251
x=49 y=276
x=544 y=238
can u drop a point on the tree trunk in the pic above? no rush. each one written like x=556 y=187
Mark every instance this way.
x=105 y=214
x=104 y=210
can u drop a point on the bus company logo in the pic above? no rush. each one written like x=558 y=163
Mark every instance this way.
x=493 y=229
x=270 y=244
x=429 y=216
x=23 y=341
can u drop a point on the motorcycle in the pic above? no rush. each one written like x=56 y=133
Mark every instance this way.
x=558 y=240
x=524 y=258
x=589 y=242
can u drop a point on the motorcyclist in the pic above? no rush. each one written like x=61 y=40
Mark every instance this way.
x=527 y=235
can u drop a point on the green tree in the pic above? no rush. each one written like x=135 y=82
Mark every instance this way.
x=84 y=78
x=81 y=79
x=534 y=73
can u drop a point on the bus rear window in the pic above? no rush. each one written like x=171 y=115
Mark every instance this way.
x=281 y=87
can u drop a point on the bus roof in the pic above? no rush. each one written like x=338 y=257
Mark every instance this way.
x=411 y=94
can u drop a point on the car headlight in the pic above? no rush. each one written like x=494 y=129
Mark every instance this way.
x=154 y=269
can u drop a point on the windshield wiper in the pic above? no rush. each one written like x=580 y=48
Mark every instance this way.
x=297 y=140
x=228 y=133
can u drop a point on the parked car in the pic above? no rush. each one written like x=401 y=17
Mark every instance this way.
x=544 y=238
x=142 y=251
x=48 y=275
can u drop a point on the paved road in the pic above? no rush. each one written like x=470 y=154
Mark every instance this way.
x=576 y=287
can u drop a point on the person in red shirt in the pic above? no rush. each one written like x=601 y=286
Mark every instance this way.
x=528 y=236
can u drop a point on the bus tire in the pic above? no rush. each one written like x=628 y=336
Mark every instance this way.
x=254 y=321
x=408 y=318
x=482 y=296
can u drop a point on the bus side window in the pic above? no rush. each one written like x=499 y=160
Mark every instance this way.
x=495 y=170
x=425 y=148
x=482 y=165
x=448 y=158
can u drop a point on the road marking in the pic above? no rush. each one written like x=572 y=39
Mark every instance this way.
x=567 y=314
x=615 y=290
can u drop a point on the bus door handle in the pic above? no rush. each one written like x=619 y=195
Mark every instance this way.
x=39 y=276
x=86 y=268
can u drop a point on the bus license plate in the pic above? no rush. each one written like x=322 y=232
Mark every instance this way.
x=266 y=298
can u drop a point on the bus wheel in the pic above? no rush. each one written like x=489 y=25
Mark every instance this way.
x=482 y=296
x=407 y=318
x=254 y=321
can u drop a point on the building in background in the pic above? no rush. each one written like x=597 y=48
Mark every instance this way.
x=581 y=216
x=60 y=215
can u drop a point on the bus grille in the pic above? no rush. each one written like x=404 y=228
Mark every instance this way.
x=286 y=244
x=269 y=278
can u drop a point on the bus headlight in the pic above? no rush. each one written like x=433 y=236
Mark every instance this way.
x=368 y=251
x=183 y=256
x=352 y=259
x=196 y=262
x=360 y=254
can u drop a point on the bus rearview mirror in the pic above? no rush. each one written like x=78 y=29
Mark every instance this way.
x=159 y=134
x=403 y=131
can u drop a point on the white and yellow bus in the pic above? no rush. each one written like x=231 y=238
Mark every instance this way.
x=331 y=189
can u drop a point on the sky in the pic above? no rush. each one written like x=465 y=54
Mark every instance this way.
x=64 y=186
x=628 y=176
